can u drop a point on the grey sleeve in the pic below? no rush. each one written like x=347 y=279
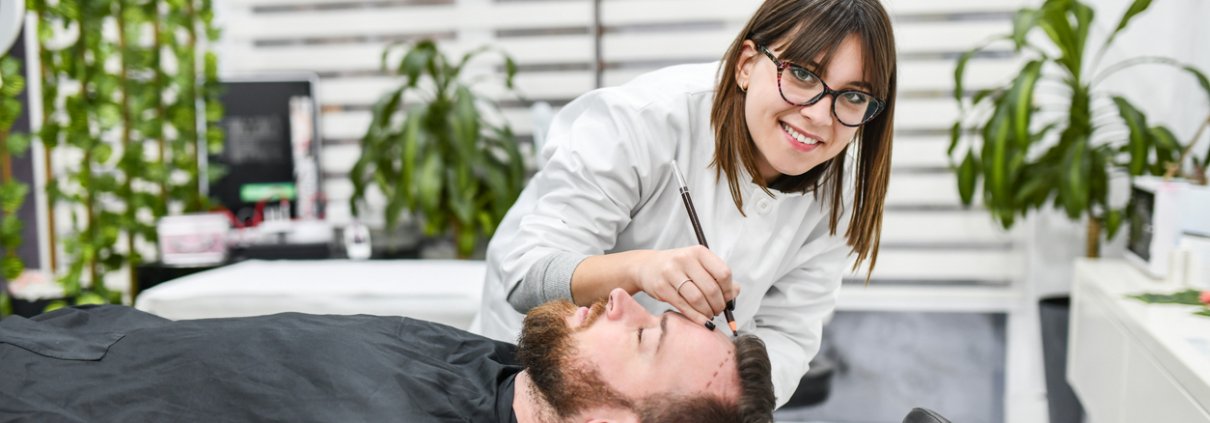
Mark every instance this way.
x=548 y=279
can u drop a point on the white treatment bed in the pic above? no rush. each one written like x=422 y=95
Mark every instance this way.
x=443 y=291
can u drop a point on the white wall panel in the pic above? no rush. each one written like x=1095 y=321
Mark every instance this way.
x=961 y=299
x=351 y=125
x=362 y=57
x=942 y=265
x=311 y=24
x=952 y=227
x=365 y=91
x=914 y=152
x=651 y=12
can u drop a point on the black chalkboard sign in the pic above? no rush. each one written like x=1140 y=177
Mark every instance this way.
x=262 y=146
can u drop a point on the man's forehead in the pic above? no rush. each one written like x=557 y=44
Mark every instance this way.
x=721 y=374
x=725 y=343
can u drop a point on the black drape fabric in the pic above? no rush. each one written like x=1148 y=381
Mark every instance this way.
x=117 y=364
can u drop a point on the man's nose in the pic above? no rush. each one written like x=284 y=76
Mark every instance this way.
x=622 y=306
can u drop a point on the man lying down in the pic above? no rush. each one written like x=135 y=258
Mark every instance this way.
x=611 y=362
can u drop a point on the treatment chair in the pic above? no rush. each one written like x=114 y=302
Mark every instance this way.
x=815 y=385
x=924 y=415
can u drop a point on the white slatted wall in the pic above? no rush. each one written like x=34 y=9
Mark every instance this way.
x=928 y=240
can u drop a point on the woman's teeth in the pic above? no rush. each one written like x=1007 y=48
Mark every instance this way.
x=798 y=136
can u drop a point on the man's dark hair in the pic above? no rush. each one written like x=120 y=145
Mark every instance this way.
x=755 y=404
x=756 y=400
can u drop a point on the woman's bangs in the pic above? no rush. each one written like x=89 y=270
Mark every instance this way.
x=812 y=48
x=814 y=41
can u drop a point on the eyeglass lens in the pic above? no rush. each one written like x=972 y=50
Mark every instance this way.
x=801 y=86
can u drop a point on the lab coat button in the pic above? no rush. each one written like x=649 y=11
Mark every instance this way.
x=763 y=205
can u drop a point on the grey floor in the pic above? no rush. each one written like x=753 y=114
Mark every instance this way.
x=888 y=362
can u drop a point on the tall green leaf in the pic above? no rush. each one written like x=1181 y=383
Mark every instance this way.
x=466 y=238
x=465 y=123
x=516 y=164
x=1024 y=21
x=1113 y=221
x=1099 y=158
x=968 y=177
x=1022 y=102
x=498 y=181
x=1084 y=16
x=487 y=222
x=461 y=192
x=1136 y=7
x=417 y=60
x=996 y=156
x=1140 y=135
x=960 y=68
x=372 y=143
x=1034 y=185
x=1074 y=183
x=510 y=72
x=1054 y=21
x=466 y=57
x=1201 y=79
x=955 y=137
x=429 y=183
x=414 y=141
x=1167 y=149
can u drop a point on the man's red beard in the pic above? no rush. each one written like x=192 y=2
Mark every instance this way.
x=546 y=350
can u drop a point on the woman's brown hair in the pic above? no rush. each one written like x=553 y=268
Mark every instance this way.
x=804 y=30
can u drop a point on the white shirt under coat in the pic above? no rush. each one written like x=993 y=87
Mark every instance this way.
x=608 y=186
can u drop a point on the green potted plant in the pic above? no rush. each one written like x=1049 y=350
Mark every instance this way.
x=1022 y=156
x=1002 y=146
x=434 y=149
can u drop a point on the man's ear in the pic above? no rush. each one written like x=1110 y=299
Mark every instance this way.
x=744 y=64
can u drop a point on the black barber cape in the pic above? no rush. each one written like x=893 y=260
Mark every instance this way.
x=118 y=364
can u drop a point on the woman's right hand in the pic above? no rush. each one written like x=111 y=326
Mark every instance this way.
x=693 y=279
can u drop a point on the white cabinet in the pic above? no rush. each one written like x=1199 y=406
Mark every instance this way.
x=1134 y=362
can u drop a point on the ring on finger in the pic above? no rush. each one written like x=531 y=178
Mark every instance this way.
x=683 y=284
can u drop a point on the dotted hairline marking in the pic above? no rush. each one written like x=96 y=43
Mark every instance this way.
x=716 y=370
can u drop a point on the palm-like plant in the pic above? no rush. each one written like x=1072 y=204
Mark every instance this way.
x=1005 y=144
x=442 y=158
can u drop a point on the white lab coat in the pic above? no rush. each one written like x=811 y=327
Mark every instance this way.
x=608 y=186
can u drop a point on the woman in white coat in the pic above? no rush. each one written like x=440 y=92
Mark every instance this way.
x=786 y=147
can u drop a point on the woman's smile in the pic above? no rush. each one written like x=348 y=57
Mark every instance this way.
x=801 y=140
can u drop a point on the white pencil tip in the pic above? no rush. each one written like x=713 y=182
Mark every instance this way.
x=680 y=179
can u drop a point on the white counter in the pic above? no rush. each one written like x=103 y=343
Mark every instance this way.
x=1130 y=361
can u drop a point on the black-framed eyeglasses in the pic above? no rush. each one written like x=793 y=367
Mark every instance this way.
x=801 y=87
